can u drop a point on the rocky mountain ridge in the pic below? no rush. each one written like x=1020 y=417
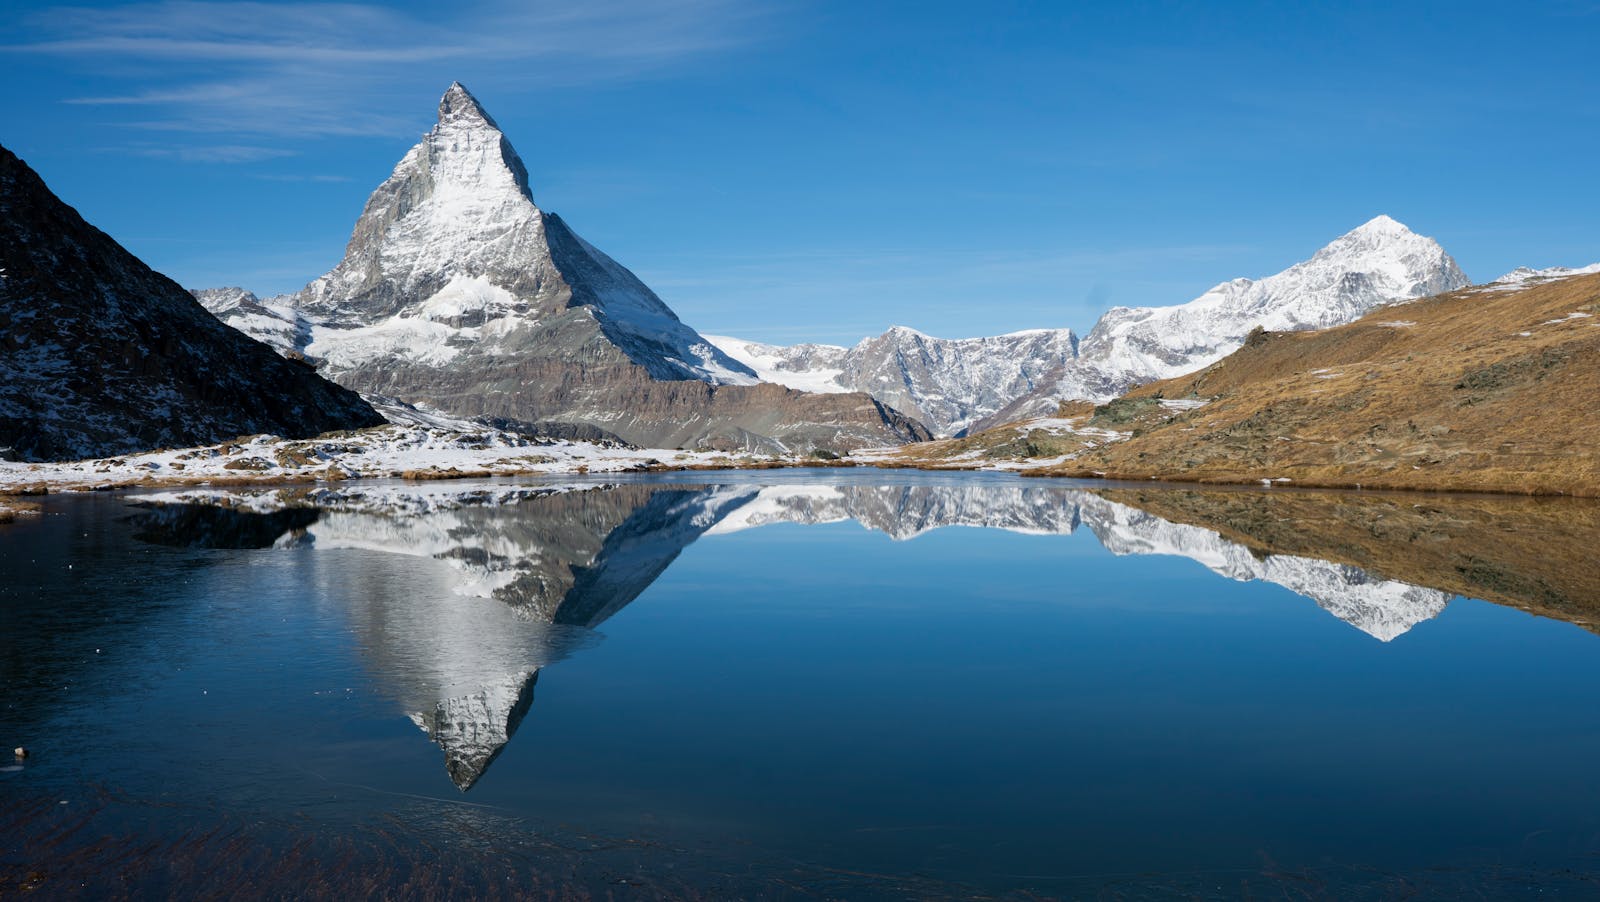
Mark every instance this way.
x=946 y=383
x=101 y=355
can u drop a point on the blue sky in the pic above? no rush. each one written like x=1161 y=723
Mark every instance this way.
x=794 y=171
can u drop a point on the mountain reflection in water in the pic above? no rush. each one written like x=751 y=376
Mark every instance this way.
x=530 y=571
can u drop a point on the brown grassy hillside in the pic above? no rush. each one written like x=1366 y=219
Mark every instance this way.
x=1535 y=554
x=1479 y=390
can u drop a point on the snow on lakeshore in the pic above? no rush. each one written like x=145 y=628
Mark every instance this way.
x=417 y=451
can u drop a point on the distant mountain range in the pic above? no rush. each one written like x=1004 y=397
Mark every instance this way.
x=962 y=385
x=946 y=383
x=100 y=355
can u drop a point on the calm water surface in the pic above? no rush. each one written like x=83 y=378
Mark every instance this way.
x=800 y=685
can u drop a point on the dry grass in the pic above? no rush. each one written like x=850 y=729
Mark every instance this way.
x=11 y=509
x=1443 y=393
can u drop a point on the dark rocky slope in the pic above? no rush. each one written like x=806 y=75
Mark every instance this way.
x=101 y=355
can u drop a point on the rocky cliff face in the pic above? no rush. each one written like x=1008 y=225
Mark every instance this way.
x=100 y=355
x=457 y=291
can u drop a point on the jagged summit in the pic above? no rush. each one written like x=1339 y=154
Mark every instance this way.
x=457 y=291
x=458 y=103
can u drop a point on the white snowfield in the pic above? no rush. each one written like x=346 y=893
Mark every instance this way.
x=807 y=367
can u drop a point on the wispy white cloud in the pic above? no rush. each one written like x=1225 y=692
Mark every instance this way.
x=298 y=177
x=212 y=153
x=310 y=69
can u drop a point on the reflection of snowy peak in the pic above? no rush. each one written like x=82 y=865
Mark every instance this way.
x=474 y=728
x=461 y=596
x=497 y=587
x=1383 y=609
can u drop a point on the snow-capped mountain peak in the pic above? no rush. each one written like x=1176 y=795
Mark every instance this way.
x=451 y=256
x=458 y=104
x=1379 y=262
x=458 y=293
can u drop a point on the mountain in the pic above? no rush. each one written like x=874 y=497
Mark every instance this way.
x=458 y=292
x=273 y=324
x=958 y=386
x=946 y=383
x=101 y=355
x=1374 y=265
x=1483 y=389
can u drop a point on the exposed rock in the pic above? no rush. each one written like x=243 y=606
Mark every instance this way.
x=101 y=355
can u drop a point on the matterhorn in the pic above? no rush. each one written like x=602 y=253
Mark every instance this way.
x=457 y=293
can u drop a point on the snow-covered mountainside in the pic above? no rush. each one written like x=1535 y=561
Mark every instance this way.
x=273 y=323
x=807 y=367
x=1379 y=263
x=946 y=383
x=458 y=292
x=101 y=355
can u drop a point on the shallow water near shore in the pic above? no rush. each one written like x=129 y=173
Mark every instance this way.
x=800 y=684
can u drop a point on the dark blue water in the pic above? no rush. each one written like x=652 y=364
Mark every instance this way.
x=810 y=685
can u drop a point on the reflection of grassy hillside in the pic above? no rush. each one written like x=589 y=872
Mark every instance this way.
x=1486 y=390
x=1536 y=554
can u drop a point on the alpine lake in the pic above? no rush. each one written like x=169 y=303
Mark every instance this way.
x=800 y=684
